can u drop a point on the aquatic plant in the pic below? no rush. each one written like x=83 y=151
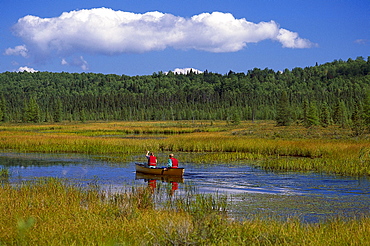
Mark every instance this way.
x=330 y=149
x=4 y=173
x=52 y=212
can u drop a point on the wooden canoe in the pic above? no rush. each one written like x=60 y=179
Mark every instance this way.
x=159 y=171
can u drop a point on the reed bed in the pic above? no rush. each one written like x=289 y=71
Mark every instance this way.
x=329 y=150
x=51 y=212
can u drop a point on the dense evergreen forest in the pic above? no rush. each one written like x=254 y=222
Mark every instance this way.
x=322 y=94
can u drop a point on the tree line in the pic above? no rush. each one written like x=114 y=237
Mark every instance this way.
x=324 y=94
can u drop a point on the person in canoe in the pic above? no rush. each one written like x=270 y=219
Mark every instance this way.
x=172 y=162
x=152 y=160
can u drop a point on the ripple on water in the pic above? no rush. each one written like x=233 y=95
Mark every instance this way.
x=252 y=191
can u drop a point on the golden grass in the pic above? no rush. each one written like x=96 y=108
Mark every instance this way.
x=331 y=149
x=52 y=213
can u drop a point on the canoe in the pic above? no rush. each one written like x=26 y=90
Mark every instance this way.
x=163 y=178
x=159 y=171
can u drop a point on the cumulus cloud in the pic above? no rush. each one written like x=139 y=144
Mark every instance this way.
x=186 y=70
x=106 y=31
x=26 y=69
x=20 y=50
x=291 y=40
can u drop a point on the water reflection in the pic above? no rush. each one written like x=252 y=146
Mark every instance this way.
x=164 y=178
x=152 y=181
x=253 y=190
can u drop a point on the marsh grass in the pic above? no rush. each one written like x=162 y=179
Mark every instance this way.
x=4 y=173
x=329 y=150
x=51 y=212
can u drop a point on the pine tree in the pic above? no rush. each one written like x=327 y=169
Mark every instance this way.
x=83 y=115
x=357 y=120
x=305 y=112
x=235 y=117
x=31 y=111
x=283 y=113
x=58 y=110
x=312 y=116
x=366 y=111
x=325 y=116
x=340 y=114
x=2 y=108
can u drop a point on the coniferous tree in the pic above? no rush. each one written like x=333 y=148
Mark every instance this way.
x=366 y=111
x=340 y=114
x=31 y=111
x=209 y=95
x=83 y=115
x=58 y=111
x=325 y=120
x=2 y=108
x=357 y=120
x=235 y=117
x=312 y=115
x=283 y=117
x=306 y=106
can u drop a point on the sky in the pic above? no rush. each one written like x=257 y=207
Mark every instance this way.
x=140 y=37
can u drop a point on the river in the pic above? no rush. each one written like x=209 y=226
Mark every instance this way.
x=252 y=191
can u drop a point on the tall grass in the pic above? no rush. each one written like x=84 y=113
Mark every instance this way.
x=4 y=173
x=54 y=213
x=331 y=150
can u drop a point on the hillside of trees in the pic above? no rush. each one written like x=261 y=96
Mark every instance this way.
x=330 y=93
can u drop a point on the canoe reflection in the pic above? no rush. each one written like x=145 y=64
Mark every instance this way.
x=152 y=180
x=163 y=178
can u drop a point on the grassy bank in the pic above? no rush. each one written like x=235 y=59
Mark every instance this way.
x=53 y=213
x=329 y=150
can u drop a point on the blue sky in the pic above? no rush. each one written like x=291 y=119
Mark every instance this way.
x=139 y=37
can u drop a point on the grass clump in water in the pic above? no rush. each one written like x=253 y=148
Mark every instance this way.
x=4 y=173
x=51 y=212
x=329 y=150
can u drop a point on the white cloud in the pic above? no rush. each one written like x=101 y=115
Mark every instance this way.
x=186 y=70
x=291 y=40
x=76 y=62
x=81 y=63
x=64 y=62
x=20 y=50
x=361 y=41
x=106 y=31
x=26 y=69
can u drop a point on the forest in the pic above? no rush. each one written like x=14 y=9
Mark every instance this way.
x=332 y=93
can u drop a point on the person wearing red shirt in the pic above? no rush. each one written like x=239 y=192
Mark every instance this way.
x=152 y=160
x=172 y=162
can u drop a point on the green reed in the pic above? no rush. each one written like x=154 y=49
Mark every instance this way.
x=329 y=149
x=352 y=167
x=4 y=173
x=51 y=212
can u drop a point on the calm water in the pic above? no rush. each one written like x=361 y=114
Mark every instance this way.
x=309 y=196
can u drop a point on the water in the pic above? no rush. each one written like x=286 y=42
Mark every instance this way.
x=252 y=191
